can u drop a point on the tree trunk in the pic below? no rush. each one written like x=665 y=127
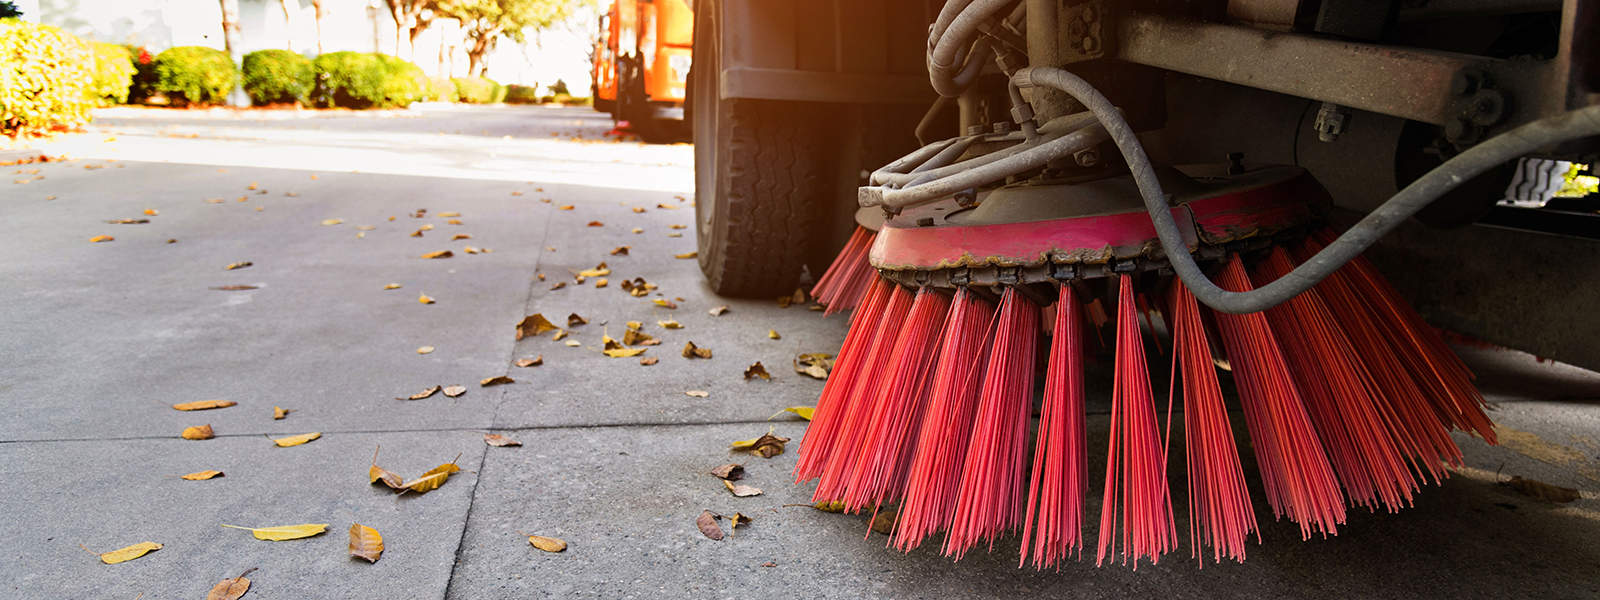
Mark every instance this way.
x=288 y=26
x=230 y=27
x=316 y=5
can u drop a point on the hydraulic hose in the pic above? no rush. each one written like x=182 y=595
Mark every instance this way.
x=1507 y=146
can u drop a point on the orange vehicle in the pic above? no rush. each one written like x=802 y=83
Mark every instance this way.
x=641 y=65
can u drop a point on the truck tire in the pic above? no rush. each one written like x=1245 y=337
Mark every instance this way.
x=760 y=179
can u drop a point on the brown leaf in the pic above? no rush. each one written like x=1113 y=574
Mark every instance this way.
x=461 y=236
x=237 y=265
x=1543 y=491
x=600 y=283
x=423 y=394
x=574 y=320
x=558 y=285
x=564 y=207
x=202 y=432
x=202 y=475
x=376 y=473
x=707 y=522
x=455 y=391
x=620 y=251
x=816 y=365
x=648 y=360
x=497 y=440
x=423 y=298
x=675 y=226
x=769 y=564
x=534 y=324
x=638 y=230
x=530 y=362
x=730 y=472
x=232 y=588
x=417 y=233
x=365 y=542
x=547 y=544
x=102 y=238
x=638 y=209
x=279 y=413
x=742 y=491
x=561 y=334
x=883 y=522
x=204 y=404
x=496 y=380
x=798 y=297
x=634 y=337
x=234 y=288
x=596 y=224
x=692 y=351
x=439 y=254
x=718 y=311
x=736 y=520
x=766 y=446
x=756 y=370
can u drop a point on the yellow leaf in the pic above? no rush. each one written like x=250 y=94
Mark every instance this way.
x=204 y=404
x=461 y=236
x=564 y=207
x=131 y=552
x=439 y=254
x=547 y=544
x=237 y=265
x=664 y=303
x=638 y=230
x=690 y=254
x=621 y=250
x=804 y=412
x=152 y=212
x=426 y=227
x=678 y=226
x=496 y=380
x=692 y=351
x=202 y=432
x=423 y=298
x=757 y=370
x=450 y=214
x=453 y=222
x=365 y=542
x=279 y=413
x=766 y=446
x=422 y=394
x=391 y=286
x=332 y=221
x=202 y=475
x=425 y=350
x=772 y=334
x=101 y=238
x=534 y=324
x=816 y=365
x=670 y=324
x=624 y=352
x=376 y=473
x=284 y=532
x=599 y=270
x=296 y=440
x=432 y=479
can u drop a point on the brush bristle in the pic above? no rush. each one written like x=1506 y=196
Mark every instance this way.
x=845 y=282
x=824 y=430
x=864 y=397
x=1053 y=528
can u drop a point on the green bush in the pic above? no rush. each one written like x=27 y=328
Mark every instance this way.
x=521 y=94
x=361 y=80
x=45 y=76
x=113 y=74
x=275 y=76
x=440 y=89
x=194 y=75
x=478 y=90
x=144 y=74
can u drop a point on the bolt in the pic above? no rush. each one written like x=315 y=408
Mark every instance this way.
x=1487 y=107
x=966 y=198
x=1330 y=121
x=1460 y=131
x=1090 y=44
x=975 y=130
x=1464 y=82
x=1002 y=127
x=925 y=222
x=1086 y=158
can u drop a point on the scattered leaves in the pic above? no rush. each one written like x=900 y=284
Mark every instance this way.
x=202 y=432
x=756 y=370
x=237 y=265
x=530 y=362
x=102 y=238
x=424 y=393
x=729 y=472
x=697 y=393
x=692 y=351
x=798 y=297
x=439 y=254
x=596 y=224
x=461 y=236
x=547 y=544
x=425 y=350
x=499 y=441
x=766 y=446
x=574 y=320
x=425 y=299
x=803 y=412
x=637 y=287
x=718 y=311
x=391 y=286
x=707 y=522
x=121 y=555
x=670 y=324
x=284 y=532
x=600 y=270
x=615 y=349
x=740 y=490
x=296 y=440
x=634 y=337
x=279 y=413
x=1543 y=491
x=620 y=250
x=534 y=324
x=455 y=391
x=365 y=542
x=332 y=221
x=204 y=404
x=496 y=380
x=232 y=588
x=202 y=475
x=816 y=365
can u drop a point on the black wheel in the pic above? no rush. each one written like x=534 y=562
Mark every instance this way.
x=760 y=179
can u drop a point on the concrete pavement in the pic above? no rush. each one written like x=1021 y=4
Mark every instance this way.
x=100 y=339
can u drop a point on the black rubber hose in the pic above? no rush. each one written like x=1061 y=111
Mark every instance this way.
x=1490 y=153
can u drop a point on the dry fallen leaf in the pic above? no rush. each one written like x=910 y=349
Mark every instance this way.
x=332 y=221
x=798 y=297
x=204 y=404
x=284 y=532
x=455 y=391
x=599 y=270
x=836 y=506
x=697 y=393
x=692 y=351
x=648 y=360
x=614 y=349
x=496 y=380
x=234 y=288
x=678 y=226
x=803 y=412
x=232 y=588
x=766 y=446
x=426 y=227
x=638 y=209
x=432 y=479
x=500 y=441
x=439 y=254
x=391 y=286
x=296 y=440
x=620 y=251
x=376 y=473
x=365 y=227
x=816 y=365
x=449 y=213
x=634 y=337
x=547 y=544
x=638 y=230
x=121 y=555
x=202 y=432
x=102 y=238
x=574 y=320
x=461 y=236
x=423 y=298
x=596 y=224
x=453 y=222
x=128 y=221
x=424 y=349
x=365 y=542
x=601 y=282
x=670 y=324
x=756 y=370
x=718 y=311
x=690 y=254
x=531 y=362
x=742 y=491
x=202 y=475
x=417 y=233
x=883 y=521
x=151 y=212
x=707 y=522
x=279 y=413
x=424 y=393
x=564 y=207
x=665 y=303
x=534 y=324
x=730 y=472
x=237 y=265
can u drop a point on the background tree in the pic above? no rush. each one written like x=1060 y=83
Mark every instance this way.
x=9 y=9
x=484 y=22
x=316 y=6
x=288 y=23
x=411 y=17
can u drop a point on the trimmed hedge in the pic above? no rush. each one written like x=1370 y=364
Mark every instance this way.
x=522 y=94
x=113 y=74
x=45 y=76
x=194 y=75
x=277 y=76
x=479 y=90
x=361 y=80
x=440 y=89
